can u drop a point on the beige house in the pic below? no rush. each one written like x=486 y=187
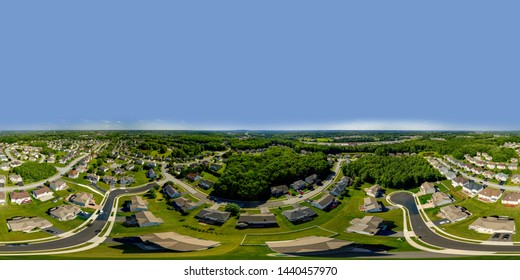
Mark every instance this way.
x=492 y=225
x=27 y=224
x=370 y=205
x=147 y=219
x=368 y=225
x=453 y=213
x=374 y=191
x=427 y=188
x=137 y=204
x=440 y=198
x=65 y=212
x=82 y=198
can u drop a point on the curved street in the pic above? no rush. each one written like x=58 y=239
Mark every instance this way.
x=90 y=232
x=425 y=234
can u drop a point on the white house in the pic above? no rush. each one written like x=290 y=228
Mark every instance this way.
x=20 y=197
x=489 y=195
x=501 y=177
x=58 y=185
x=450 y=175
x=472 y=188
x=15 y=178
x=511 y=198
x=515 y=179
x=2 y=198
x=43 y=193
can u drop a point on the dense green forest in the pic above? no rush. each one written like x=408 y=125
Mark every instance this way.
x=392 y=172
x=249 y=177
x=34 y=172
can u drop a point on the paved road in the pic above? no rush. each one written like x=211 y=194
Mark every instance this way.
x=427 y=235
x=85 y=235
x=481 y=181
x=61 y=171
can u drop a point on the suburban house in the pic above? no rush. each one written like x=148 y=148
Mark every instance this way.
x=147 y=219
x=119 y=171
x=175 y=242
x=459 y=181
x=374 y=191
x=43 y=193
x=368 y=225
x=212 y=216
x=279 y=190
x=109 y=179
x=20 y=197
x=344 y=181
x=127 y=180
x=450 y=175
x=171 y=191
x=511 y=198
x=215 y=167
x=5 y=167
x=193 y=177
x=104 y=169
x=440 y=198
x=488 y=174
x=257 y=221
x=2 y=198
x=492 y=225
x=501 y=177
x=74 y=174
x=58 y=185
x=205 y=184
x=129 y=167
x=27 y=224
x=65 y=212
x=15 y=178
x=137 y=204
x=93 y=178
x=311 y=179
x=472 y=188
x=489 y=195
x=298 y=185
x=515 y=179
x=324 y=202
x=139 y=161
x=299 y=215
x=2 y=179
x=82 y=198
x=512 y=166
x=16 y=163
x=453 y=213
x=501 y=166
x=370 y=205
x=491 y=165
x=338 y=189
x=427 y=188
x=184 y=205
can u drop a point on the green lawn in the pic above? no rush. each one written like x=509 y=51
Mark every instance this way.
x=38 y=209
x=425 y=198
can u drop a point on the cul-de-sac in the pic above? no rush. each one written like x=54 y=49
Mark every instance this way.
x=259 y=195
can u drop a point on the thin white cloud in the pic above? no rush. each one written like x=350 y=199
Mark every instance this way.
x=159 y=124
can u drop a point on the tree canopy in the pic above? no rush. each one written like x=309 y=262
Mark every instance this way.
x=249 y=177
x=392 y=172
x=34 y=172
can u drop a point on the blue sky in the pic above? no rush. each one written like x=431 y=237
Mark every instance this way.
x=260 y=64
